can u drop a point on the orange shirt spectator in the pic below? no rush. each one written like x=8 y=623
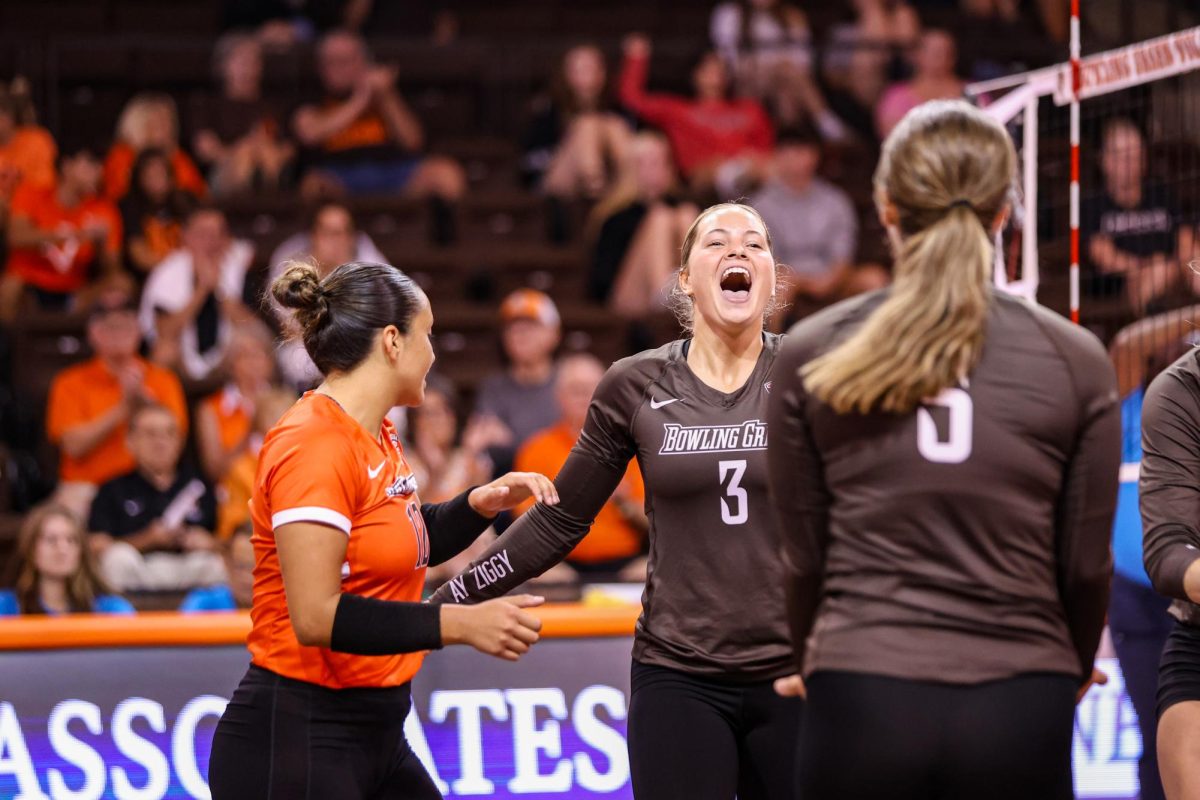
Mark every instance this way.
x=612 y=537
x=118 y=167
x=232 y=411
x=27 y=159
x=149 y=120
x=237 y=486
x=27 y=151
x=86 y=392
x=70 y=235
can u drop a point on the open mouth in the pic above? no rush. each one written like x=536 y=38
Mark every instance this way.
x=735 y=284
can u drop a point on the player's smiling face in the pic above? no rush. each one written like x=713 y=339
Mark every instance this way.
x=730 y=270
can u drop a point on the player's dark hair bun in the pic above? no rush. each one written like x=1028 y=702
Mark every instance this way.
x=299 y=287
x=340 y=316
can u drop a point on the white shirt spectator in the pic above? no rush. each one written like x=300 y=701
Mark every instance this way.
x=170 y=288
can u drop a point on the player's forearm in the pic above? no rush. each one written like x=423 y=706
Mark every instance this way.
x=79 y=440
x=453 y=526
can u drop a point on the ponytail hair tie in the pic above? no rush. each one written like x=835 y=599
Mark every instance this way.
x=962 y=201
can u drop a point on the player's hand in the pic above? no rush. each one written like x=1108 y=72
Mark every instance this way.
x=1098 y=678
x=500 y=627
x=509 y=491
x=791 y=686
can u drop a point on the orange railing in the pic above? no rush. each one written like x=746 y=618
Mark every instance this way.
x=170 y=629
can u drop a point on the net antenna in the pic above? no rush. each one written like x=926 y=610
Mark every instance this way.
x=1014 y=101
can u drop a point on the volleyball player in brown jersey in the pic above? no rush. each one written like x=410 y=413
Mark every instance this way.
x=944 y=466
x=703 y=719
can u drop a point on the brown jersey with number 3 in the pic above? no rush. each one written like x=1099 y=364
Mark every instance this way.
x=713 y=603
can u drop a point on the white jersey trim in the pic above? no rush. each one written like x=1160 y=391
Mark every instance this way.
x=326 y=516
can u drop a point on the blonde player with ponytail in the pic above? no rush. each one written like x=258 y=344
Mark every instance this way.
x=943 y=463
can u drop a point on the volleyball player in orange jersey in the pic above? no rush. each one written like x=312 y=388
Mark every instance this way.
x=341 y=545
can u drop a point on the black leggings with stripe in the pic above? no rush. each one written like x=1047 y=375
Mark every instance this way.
x=284 y=739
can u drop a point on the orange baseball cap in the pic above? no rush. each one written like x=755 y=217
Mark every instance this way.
x=530 y=304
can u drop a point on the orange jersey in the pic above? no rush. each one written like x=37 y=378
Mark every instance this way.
x=63 y=266
x=27 y=160
x=611 y=537
x=318 y=465
x=86 y=391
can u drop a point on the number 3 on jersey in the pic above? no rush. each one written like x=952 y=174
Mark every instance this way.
x=734 y=506
x=957 y=446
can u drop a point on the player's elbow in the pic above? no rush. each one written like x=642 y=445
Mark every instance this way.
x=311 y=629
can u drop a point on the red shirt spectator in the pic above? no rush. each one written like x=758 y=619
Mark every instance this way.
x=704 y=130
x=56 y=234
x=27 y=151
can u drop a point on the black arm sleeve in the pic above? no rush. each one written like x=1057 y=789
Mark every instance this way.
x=365 y=626
x=1169 y=486
x=544 y=535
x=1086 y=503
x=452 y=526
x=798 y=493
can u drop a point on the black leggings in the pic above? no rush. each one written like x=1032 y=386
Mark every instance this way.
x=696 y=738
x=868 y=737
x=283 y=739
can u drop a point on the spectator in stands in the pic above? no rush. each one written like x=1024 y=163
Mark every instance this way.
x=54 y=570
x=638 y=228
x=614 y=546
x=331 y=239
x=577 y=137
x=238 y=554
x=90 y=403
x=1131 y=231
x=718 y=142
x=238 y=133
x=517 y=403
x=149 y=120
x=934 y=78
x=152 y=527
x=363 y=138
x=281 y=24
x=813 y=223
x=153 y=211
x=194 y=297
x=235 y=489
x=861 y=54
x=224 y=419
x=446 y=464
x=27 y=150
x=62 y=237
x=767 y=45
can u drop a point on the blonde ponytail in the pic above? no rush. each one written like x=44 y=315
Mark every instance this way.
x=946 y=171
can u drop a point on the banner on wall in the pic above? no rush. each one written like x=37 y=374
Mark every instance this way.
x=138 y=723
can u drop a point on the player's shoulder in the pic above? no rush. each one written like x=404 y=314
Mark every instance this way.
x=1179 y=383
x=627 y=380
x=313 y=425
x=819 y=332
x=1077 y=344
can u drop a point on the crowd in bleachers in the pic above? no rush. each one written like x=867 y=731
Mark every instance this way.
x=145 y=365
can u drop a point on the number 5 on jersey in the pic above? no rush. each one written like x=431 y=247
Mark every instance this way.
x=734 y=502
x=957 y=446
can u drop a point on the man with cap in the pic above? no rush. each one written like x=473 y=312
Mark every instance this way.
x=91 y=403
x=520 y=401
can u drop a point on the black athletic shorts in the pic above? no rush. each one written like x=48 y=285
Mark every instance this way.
x=1179 y=668
x=284 y=739
x=870 y=737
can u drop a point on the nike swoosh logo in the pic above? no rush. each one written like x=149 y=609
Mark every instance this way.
x=373 y=473
x=660 y=403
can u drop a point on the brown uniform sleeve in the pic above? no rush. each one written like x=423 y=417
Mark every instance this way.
x=544 y=535
x=1086 y=504
x=1169 y=486
x=798 y=493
